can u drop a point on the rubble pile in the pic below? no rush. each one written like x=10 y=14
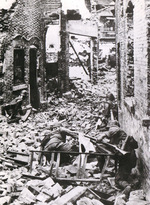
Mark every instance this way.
x=107 y=77
x=78 y=110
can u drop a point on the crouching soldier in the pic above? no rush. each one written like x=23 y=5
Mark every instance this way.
x=56 y=141
x=115 y=136
x=126 y=159
x=109 y=110
x=124 y=178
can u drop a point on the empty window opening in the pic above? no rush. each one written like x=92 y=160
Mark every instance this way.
x=130 y=51
x=119 y=73
x=18 y=66
x=51 y=70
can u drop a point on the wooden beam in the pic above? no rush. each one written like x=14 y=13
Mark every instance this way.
x=78 y=58
x=79 y=34
x=76 y=179
x=71 y=196
x=76 y=153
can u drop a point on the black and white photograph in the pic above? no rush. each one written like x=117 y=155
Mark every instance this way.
x=74 y=102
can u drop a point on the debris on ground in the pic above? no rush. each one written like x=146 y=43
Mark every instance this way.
x=79 y=109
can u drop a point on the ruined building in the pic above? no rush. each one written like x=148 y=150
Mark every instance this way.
x=104 y=12
x=133 y=64
x=34 y=47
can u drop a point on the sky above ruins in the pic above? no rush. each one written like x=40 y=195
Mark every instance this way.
x=66 y=4
x=6 y=4
x=76 y=4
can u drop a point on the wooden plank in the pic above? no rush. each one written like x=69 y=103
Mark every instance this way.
x=79 y=166
x=20 y=161
x=31 y=161
x=51 y=163
x=71 y=196
x=25 y=117
x=75 y=153
x=57 y=164
x=102 y=199
x=26 y=175
x=19 y=87
x=14 y=152
x=104 y=167
x=76 y=179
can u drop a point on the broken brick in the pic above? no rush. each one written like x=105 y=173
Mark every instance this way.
x=42 y=197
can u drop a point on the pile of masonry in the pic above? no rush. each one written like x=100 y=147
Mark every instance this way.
x=79 y=110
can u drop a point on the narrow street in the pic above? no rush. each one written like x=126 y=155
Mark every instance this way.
x=75 y=110
x=74 y=102
x=79 y=110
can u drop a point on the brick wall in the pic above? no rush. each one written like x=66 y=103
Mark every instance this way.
x=148 y=38
x=25 y=21
x=63 y=68
x=26 y=29
x=135 y=108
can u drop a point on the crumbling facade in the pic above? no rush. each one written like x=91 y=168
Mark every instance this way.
x=22 y=48
x=25 y=61
x=34 y=48
x=133 y=55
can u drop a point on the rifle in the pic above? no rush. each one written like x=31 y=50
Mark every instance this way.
x=109 y=144
x=116 y=148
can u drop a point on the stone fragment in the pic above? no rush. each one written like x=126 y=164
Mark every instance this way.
x=67 y=94
x=120 y=200
x=71 y=196
x=47 y=183
x=96 y=202
x=5 y=200
x=35 y=182
x=137 y=197
x=56 y=190
x=42 y=197
x=72 y=169
x=84 y=200
x=26 y=196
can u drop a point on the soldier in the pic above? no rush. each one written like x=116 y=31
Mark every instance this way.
x=124 y=178
x=110 y=110
x=114 y=136
x=126 y=162
x=56 y=140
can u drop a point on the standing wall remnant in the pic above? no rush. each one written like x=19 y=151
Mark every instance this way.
x=132 y=46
